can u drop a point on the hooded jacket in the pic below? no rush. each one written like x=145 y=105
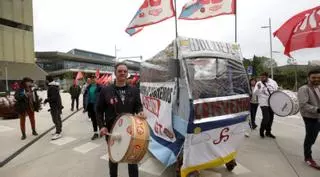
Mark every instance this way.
x=23 y=103
x=53 y=96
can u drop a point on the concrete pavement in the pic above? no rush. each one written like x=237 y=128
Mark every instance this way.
x=76 y=155
x=10 y=129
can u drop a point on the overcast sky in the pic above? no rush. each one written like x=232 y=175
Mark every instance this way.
x=99 y=25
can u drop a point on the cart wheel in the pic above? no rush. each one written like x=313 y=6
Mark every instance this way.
x=230 y=165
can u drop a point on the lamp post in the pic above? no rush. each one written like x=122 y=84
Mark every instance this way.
x=270 y=35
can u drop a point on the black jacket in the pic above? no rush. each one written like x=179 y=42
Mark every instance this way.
x=75 y=91
x=111 y=109
x=23 y=103
x=53 y=96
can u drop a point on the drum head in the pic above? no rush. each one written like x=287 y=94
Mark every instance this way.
x=118 y=148
x=281 y=103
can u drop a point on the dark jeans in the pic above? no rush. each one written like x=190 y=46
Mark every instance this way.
x=92 y=115
x=56 y=118
x=76 y=99
x=267 y=119
x=312 y=131
x=253 y=111
x=132 y=169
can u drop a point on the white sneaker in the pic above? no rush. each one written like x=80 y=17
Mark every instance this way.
x=56 y=136
x=247 y=134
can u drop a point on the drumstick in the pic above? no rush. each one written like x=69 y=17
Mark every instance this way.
x=115 y=136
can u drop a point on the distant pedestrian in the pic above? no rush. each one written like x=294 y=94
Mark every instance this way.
x=27 y=103
x=84 y=88
x=54 y=99
x=263 y=90
x=75 y=92
x=91 y=95
x=309 y=101
x=253 y=104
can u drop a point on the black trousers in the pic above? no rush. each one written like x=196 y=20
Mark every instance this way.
x=56 y=118
x=92 y=115
x=253 y=112
x=312 y=131
x=267 y=119
x=132 y=169
x=76 y=99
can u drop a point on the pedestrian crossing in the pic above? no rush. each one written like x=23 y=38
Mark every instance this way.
x=85 y=148
x=5 y=128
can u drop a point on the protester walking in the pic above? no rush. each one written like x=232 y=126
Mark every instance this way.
x=54 y=99
x=126 y=99
x=84 y=88
x=253 y=104
x=75 y=92
x=27 y=102
x=91 y=95
x=263 y=90
x=309 y=102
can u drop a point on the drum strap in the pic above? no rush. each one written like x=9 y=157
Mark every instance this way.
x=267 y=88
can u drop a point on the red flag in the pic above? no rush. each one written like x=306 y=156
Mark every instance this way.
x=301 y=31
x=203 y=9
x=98 y=73
x=150 y=12
x=79 y=76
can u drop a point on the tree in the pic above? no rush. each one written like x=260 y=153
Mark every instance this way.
x=259 y=64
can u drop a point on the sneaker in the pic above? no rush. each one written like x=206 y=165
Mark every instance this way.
x=34 y=133
x=270 y=135
x=261 y=134
x=56 y=136
x=254 y=126
x=312 y=163
x=247 y=134
x=95 y=136
x=23 y=137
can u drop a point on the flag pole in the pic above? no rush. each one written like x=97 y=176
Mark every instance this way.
x=236 y=22
x=176 y=50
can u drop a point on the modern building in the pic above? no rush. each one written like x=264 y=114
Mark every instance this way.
x=16 y=43
x=65 y=66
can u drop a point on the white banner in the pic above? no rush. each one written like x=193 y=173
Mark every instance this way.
x=157 y=99
x=150 y=12
x=215 y=147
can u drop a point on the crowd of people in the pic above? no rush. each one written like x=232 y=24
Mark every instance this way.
x=104 y=103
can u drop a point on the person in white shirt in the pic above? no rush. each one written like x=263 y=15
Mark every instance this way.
x=263 y=90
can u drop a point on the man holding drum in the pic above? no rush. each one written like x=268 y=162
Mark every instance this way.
x=114 y=100
x=264 y=89
x=309 y=102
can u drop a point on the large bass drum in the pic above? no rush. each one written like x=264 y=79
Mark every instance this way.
x=132 y=142
x=284 y=103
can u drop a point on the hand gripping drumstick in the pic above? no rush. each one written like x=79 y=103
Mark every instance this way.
x=115 y=136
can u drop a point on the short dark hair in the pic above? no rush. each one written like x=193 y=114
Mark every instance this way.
x=49 y=78
x=24 y=80
x=314 y=71
x=253 y=79
x=264 y=74
x=119 y=64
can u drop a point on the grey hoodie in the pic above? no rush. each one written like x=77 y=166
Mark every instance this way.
x=309 y=102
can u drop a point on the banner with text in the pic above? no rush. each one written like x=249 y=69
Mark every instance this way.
x=157 y=99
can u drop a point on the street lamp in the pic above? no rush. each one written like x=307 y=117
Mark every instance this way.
x=270 y=33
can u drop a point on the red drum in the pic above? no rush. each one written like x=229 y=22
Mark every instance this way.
x=129 y=139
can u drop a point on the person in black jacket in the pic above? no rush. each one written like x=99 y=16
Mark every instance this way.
x=27 y=102
x=54 y=99
x=116 y=99
x=75 y=92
